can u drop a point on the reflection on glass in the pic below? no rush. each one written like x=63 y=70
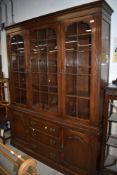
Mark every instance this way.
x=78 y=69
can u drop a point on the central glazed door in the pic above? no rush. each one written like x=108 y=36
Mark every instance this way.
x=45 y=69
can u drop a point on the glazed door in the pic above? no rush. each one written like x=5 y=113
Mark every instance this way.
x=78 y=68
x=18 y=72
x=45 y=69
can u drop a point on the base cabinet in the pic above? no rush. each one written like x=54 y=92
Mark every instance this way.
x=64 y=146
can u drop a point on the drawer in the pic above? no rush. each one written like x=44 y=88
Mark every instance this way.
x=45 y=127
x=46 y=151
x=45 y=139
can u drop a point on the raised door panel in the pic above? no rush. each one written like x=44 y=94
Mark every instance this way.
x=78 y=152
x=19 y=126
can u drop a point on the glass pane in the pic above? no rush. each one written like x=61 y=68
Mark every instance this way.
x=71 y=62
x=52 y=89
x=35 y=81
x=21 y=64
x=83 y=70
x=52 y=80
x=71 y=30
x=42 y=34
x=18 y=69
x=17 y=44
x=22 y=80
x=51 y=34
x=43 y=80
x=34 y=47
x=22 y=96
x=77 y=107
x=43 y=97
x=52 y=45
x=34 y=35
x=71 y=43
x=71 y=82
x=78 y=69
x=14 y=63
x=43 y=62
x=70 y=106
x=84 y=43
x=83 y=108
x=83 y=86
x=52 y=103
x=52 y=63
x=42 y=47
x=17 y=95
x=34 y=64
x=84 y=27
x=43 y=89
x=16 y=78
x=35 y=97
x=84 y=61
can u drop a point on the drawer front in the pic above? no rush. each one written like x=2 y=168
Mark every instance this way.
x=45 y=139
x=46 y=151
x=45 y=127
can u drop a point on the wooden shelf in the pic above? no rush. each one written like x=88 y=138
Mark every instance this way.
x=77 y=96
x=110 y=160
x=79 y=51
x=111 y=163
x=77 y=74
x=112 y=141
x=78 y=35
x=113 y=117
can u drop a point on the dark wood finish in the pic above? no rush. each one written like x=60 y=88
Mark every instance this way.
x=58 y=66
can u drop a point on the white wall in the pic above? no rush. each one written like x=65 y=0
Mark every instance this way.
x=113 y=65
x=27 y=9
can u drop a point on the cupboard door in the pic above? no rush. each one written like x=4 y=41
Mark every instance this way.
x=77 y=151
x=78 y=68
x=45 y=69
x=19 y=127
x=17 y=56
